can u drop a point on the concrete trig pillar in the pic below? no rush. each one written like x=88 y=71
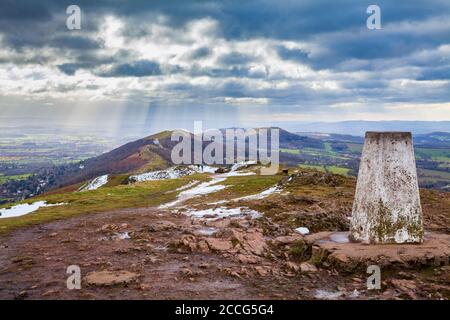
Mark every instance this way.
x=387 y=207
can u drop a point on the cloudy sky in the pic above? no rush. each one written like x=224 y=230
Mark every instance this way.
x=167 y=63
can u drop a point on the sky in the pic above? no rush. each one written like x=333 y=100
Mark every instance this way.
x=150 y=65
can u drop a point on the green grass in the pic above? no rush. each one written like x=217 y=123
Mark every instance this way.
x=440 y=155
x=4 y=178
x=291 y=151
x=311 y=166
x=327 y=146
x=332 y=169
x=338 y=170
x=355 y=147
x=151 y=193
x=426 y=175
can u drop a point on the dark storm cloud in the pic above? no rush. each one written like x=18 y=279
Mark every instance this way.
x=235 y=58
x=282 y=19
x=292 y=54
x=334 y=32
x=441 y=73
x=22 y=10
x=142 y=68
x=200 y=53
x=76 y=42
x=234 y=71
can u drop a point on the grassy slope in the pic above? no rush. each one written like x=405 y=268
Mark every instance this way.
x=239 y=186
x=331 y=169
x=151 y=193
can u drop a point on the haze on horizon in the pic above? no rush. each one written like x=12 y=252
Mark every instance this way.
x=155 y=65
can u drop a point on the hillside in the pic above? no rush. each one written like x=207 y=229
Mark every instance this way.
x=207 y=235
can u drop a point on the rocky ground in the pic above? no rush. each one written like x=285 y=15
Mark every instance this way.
x=152 y=253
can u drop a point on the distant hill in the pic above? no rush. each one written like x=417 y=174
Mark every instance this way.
x=338 y=153
x=360 y=127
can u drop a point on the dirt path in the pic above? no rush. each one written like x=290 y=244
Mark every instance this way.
x=170 y=256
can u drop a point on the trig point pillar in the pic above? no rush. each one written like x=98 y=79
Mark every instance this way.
x=387 y=207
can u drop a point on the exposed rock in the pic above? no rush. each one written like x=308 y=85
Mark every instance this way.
x=21 y=295
x=109 y=227
x=248 y=259
x=187 y=272
x=251 y=240
x=407 y=287
x=284 y=240
x=292 y=266
x=219 y=245
x=110 y=278
x=262 y=271
x=307 y=267
x=352 y=256
x=161 y=226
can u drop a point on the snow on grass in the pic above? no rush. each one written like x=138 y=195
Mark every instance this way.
x=171 y=173
x=242 y=164
x=240 y=173
x=203 y=168
x=210 y=186
x=222 y=212
x=26 y=208
x=201 y=189
x=261 y=195
x=96 y=183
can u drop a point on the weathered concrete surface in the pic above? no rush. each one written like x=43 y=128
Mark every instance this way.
x=336 y=249
x=387 y=207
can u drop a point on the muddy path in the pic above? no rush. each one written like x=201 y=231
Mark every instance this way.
x=170 y=256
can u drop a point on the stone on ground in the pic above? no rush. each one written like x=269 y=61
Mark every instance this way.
x=351 y=256
x=110 y=278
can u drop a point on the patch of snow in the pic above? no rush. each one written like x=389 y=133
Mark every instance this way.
x=204 y=188
x=261 y=195
x=116 y=236
x=123 y=235
x=354 y=294
x=328 y=295
x=156 y=142
x=26 y=208
x=96 y=183
x=222 y=212
x=201 y=189
x=240 y=173
x=171 y=173
x=203 y=168
x=302 y=230
x=241 y=164
x=339 y=237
